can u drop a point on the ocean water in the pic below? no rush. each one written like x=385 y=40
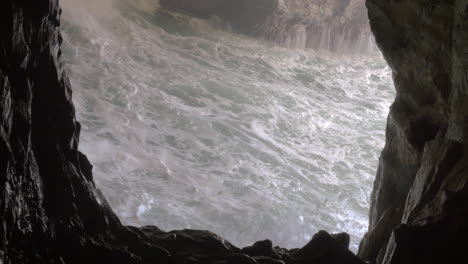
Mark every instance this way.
x=189 y=125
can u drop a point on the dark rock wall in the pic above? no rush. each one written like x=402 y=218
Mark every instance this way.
x=335 y=25
x=45 y=183
x=418 y=205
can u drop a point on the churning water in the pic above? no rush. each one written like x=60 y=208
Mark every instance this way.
x=190 y=126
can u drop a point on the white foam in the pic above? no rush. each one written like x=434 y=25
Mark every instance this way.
x=200 y=128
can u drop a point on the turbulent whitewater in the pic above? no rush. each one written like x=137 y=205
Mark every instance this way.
x=191 y=126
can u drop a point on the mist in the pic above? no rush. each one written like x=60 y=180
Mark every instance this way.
x=193 y=125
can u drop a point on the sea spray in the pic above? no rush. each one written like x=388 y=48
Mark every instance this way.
x=189 y=126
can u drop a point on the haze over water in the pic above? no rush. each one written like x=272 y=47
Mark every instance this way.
x=191 y=126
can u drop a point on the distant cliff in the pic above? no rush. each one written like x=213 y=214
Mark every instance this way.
x=335 y=25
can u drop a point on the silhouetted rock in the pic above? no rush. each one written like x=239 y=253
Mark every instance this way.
x=240 y=259
x=260 y=248
x=342 y=238
x=323 y=248
x=279 y=253
x=196 y=245
x=267 y=260
x=418 y=205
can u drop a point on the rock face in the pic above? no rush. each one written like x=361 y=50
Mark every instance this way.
x=46 y=184
x=50 y=209
x=335 y=25
x=418 y=211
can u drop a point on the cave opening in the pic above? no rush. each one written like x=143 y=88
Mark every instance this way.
x=191 y=124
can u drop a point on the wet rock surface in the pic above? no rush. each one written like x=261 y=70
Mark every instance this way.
x=196 y=246
x=417 y=205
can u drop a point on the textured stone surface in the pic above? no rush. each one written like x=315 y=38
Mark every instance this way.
x=335 y=25
x=419 y=198
x=42 y=174
x=324 y=249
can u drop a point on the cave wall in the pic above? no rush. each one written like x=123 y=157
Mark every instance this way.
x=50 y=209
x=334 y=25
x=45 y=182
x=418 y=209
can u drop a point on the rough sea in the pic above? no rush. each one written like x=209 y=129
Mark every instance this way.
x=189 y=125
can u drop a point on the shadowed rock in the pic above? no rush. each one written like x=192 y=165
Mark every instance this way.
x=323 y=248
x=342 y=238
x=418 y=205
x=260 y=248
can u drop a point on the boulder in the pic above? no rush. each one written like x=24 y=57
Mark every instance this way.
x=324 y=249
x=260 y=248
x=342 y=238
